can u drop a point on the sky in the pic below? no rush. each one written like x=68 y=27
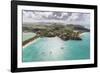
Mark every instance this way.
x=32 y=16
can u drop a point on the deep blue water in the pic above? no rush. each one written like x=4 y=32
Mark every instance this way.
x=50 y=49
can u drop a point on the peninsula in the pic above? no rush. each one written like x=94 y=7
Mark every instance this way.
x=65 y=32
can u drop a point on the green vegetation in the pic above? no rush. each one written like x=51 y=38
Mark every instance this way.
x=65 y=32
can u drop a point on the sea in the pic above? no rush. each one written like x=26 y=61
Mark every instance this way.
x=56 y=49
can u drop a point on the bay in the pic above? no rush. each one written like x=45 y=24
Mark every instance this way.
x=55 y=49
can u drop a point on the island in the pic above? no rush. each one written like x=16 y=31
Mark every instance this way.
x=63 y=31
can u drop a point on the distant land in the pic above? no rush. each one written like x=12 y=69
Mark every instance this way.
x=54 y=28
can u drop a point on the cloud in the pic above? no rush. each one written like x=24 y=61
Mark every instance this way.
x=74 y=16
x=79 y=18
x=64 y=17
x=43 y=14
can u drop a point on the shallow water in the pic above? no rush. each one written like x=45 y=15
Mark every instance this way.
x=50 y=49
x=28 y=35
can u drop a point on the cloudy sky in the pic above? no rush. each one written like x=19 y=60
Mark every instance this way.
x=30 y=16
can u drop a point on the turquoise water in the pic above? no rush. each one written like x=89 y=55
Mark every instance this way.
x=50 y=49
x=28 y=35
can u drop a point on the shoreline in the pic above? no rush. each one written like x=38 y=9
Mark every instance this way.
x=31 y=42
x=39 y=38
x=82 y=34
